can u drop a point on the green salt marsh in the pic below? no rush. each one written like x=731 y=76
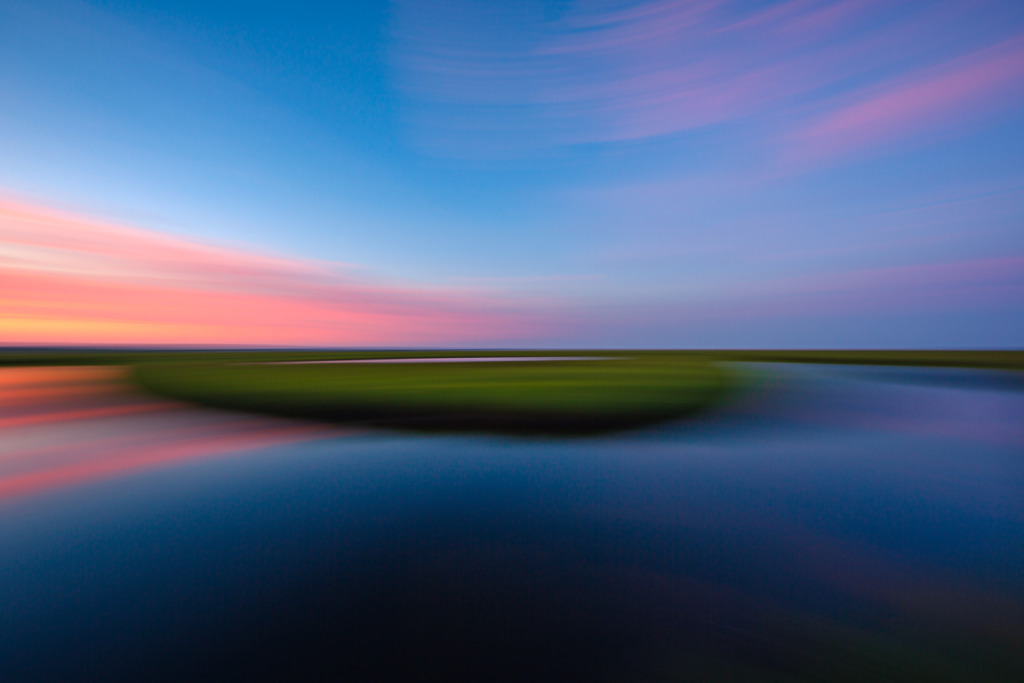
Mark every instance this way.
x=565 y=396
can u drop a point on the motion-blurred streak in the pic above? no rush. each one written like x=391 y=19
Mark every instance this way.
x=66 y=278
x=850 y=75
x=66 y=426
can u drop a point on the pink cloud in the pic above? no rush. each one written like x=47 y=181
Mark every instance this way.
x=766 y=17
x=68 y=279
x=666 y=67
x=820 y=20
x=625 y=71
x=969 y=86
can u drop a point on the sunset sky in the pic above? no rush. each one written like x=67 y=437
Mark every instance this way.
x=689 y=173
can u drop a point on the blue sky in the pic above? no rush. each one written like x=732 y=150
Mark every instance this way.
x=688 y=173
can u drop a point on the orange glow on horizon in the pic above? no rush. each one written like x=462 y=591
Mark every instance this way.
x=65 y=279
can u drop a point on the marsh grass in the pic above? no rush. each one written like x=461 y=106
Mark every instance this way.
x=550 y=397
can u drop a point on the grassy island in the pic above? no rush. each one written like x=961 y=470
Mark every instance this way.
x=570 y=396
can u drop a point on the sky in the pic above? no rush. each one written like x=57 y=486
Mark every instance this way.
x=528 y=173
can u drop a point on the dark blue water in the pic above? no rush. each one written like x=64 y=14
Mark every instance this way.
x=835 y=524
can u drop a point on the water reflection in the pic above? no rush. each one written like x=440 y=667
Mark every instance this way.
x=829 y=527
x=61 y=426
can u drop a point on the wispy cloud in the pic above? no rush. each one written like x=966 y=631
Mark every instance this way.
x=493 y=81
x=924 y=101
x=68 y=279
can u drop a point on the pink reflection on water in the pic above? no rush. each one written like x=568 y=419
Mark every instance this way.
x=70 y=425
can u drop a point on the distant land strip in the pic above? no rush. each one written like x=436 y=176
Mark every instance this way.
x=1006 y=359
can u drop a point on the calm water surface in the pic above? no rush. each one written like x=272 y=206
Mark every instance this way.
x=834 y=524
